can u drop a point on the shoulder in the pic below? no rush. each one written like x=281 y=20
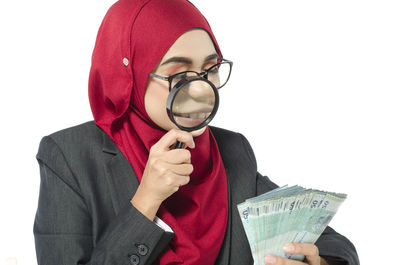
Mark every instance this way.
x=72 y=150
x=231 y=143
x=86 y=134
x=78 y=134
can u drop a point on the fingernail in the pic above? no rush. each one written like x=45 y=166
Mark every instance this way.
x=288 y=248
x=270 y=259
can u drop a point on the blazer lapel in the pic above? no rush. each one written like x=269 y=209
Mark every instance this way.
x=224 y=254
x=121 y=178
x=235 y=248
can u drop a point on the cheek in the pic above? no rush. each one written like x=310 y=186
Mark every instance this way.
x=155 y=97
x=155 y=100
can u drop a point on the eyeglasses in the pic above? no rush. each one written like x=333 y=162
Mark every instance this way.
x=218 y=74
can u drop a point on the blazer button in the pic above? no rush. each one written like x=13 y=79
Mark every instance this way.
x=143 y=249
x=134 y=259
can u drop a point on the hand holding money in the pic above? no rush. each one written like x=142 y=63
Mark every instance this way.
x=310 y=251
x=288 y=214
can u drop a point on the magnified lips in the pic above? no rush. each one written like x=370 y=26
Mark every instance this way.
x=197 y=115
x=191 y=121
x=202 y=113
x=201 y=110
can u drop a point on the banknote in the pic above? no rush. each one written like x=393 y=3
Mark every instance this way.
x=286 y=214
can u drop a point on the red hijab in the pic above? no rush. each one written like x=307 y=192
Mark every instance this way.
x=132 y=39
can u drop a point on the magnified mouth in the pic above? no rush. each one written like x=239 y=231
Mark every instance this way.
x=195 y=115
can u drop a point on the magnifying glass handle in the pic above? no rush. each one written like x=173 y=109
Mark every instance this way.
x=179 y=145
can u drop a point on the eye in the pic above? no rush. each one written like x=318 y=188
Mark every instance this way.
x=209 y=65
x=176 y=69
x=214 y=70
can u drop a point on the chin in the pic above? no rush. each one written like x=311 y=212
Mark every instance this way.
x=198 y=132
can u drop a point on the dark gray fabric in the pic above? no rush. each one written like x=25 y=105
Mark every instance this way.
x=84 y=215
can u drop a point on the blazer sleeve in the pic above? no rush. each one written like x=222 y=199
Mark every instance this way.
x=63 y=226
x=333 y=247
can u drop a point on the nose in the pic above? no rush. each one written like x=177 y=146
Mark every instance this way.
x=201 y=91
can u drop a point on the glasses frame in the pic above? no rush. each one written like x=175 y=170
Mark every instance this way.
x=201 y=74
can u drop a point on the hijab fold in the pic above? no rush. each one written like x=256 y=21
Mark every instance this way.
x=133 y=37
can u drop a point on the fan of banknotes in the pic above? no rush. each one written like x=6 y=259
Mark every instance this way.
x=286 y=214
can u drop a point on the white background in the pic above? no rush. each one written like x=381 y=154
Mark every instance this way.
x=315 y=89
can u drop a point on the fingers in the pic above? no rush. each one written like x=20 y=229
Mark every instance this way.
x=178 y=156
x=179 y=169
x=301 y=248
x=175 y=180
x=310 y=251
x=172 y=137
x=183 y=180
x=275 y=260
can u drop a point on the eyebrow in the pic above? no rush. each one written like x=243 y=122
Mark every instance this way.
x=188 y=60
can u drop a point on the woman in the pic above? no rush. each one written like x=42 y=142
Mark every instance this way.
x=115 y=191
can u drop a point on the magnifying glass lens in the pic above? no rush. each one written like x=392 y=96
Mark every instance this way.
x=193 y=103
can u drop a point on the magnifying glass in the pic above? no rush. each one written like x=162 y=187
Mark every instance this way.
x=192 y=104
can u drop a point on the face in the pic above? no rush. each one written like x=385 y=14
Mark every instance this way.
x=196 y=52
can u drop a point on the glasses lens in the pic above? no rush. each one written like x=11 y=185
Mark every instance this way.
x=219 y=74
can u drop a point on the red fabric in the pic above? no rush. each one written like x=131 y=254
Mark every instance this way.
x=142 y=31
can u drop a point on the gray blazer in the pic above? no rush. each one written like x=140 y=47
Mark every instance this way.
x=84 y=214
